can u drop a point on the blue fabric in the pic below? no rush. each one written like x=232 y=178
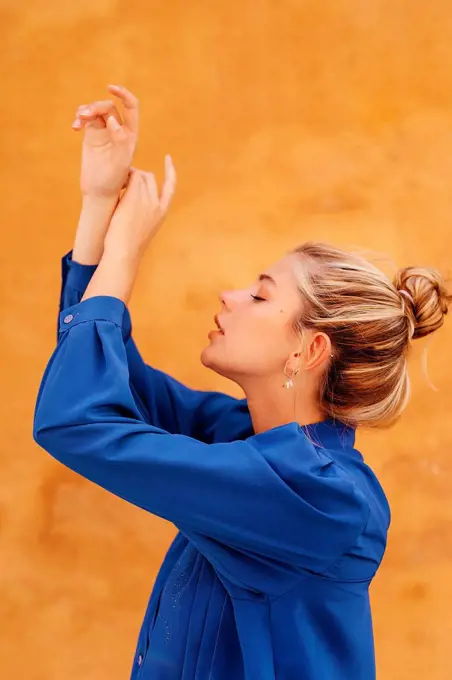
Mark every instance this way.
x=280 y=533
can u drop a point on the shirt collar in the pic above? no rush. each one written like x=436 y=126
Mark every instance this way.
x=330 y=434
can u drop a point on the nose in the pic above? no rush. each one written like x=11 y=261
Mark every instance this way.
x=227 y=298
x=223 y=298
x=234 y=298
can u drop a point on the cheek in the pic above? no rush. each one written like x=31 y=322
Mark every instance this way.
x=260 y=344
x=272 y=347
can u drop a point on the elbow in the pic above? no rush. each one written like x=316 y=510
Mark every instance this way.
x=46 y=437
x=53 y=428
x=52 y=437
x=37 y=434
x=47 y=423
x=39 y=430
x=59 y=442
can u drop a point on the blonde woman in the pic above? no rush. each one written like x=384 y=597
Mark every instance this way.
x=282 y=525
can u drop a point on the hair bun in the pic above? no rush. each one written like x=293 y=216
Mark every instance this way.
x=425 y=297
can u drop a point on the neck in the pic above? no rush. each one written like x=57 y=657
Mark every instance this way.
x=272 y=405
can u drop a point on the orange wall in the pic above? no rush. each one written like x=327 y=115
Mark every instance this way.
x=287 y=120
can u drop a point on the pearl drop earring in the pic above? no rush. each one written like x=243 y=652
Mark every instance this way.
x=289 y=382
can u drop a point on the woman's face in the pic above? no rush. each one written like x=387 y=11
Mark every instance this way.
x=256 y=335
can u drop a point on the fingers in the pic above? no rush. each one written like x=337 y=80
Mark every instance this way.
x=100 y=110
x=139 y=180
x=117 y=132
x=128 y=178
x=134 y=183
x=134 y=177
x=97 y=122
x=131 y=107
x=96 y=111
x=151 y=185
x=169 y=184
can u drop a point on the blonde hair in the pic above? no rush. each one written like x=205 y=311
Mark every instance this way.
x=371 y=322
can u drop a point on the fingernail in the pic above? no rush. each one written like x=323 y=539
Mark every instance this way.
x=84 y=112
x=76 y=123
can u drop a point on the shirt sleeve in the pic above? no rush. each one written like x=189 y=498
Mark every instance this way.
x=269 y=499
x=162 y=400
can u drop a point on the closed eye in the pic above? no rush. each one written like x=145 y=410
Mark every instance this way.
x=257 y=298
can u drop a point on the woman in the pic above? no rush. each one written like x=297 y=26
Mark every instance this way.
x=282 y=525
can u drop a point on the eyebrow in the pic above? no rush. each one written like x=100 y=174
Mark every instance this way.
x=267 y=277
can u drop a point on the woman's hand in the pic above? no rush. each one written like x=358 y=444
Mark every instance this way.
x=140 y=212
x=135 y=222
x=108 y=145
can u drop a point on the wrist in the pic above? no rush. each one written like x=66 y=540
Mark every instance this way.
x=99 y=203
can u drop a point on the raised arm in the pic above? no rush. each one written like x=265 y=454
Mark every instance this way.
x=108 y=148
x=109 y=141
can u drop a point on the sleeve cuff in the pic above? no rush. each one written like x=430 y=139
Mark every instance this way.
x=99 y=308
x=77 y=275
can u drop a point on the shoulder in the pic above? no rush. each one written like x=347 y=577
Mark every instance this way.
x=311 y=471
x=289 y=447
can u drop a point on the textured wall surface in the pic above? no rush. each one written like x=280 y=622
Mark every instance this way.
x=287 y=120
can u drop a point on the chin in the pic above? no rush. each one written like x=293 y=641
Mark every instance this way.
x=210 y=359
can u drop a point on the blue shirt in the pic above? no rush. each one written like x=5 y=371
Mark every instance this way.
x=280 y=533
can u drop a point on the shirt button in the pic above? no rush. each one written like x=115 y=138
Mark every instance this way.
x=140 y=660
x=68 y=318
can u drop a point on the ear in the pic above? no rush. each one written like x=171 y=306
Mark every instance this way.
x=317 y=351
